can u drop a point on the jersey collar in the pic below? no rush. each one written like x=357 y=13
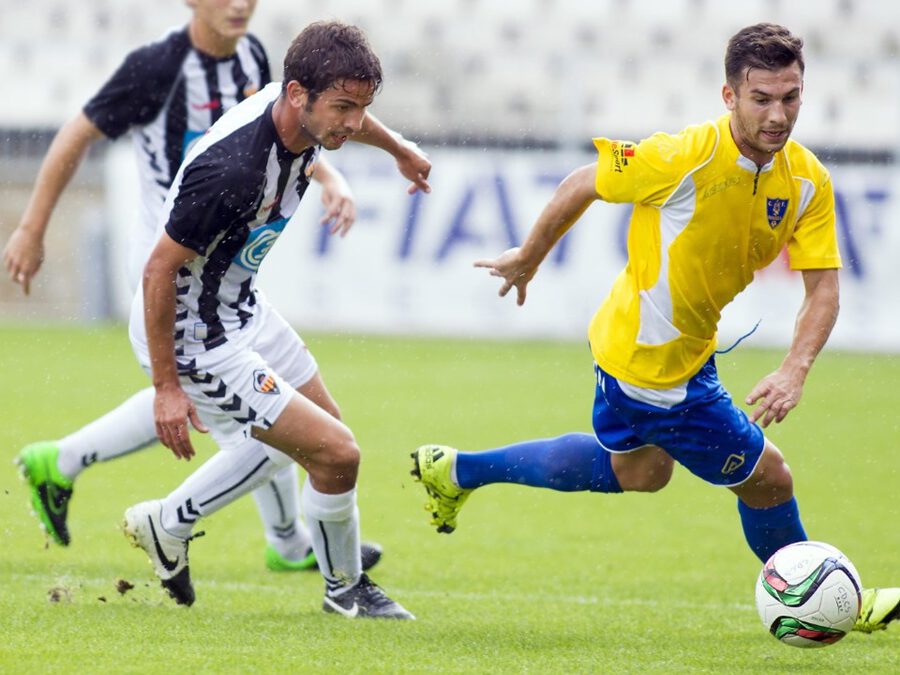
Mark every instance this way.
x=724 y=124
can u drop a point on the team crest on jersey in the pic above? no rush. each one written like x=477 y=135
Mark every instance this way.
x=621 y=151
x=775 y=210
x=264 y=383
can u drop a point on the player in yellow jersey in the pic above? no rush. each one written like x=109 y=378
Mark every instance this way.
x=712 y=205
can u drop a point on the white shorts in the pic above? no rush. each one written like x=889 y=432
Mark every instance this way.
x=239 y=386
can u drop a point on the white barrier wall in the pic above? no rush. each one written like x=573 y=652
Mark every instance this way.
x=406 y=267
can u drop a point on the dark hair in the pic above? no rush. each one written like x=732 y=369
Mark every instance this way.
x=766 y=45
x=327 y=52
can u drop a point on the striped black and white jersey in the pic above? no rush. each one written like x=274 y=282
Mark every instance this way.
x=168 y=94
x=230 y=200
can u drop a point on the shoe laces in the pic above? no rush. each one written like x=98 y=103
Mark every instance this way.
x=373 y=593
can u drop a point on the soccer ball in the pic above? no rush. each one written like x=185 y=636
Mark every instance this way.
x=808 y=594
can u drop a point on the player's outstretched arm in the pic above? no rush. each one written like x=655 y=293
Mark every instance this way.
x=340 y=206
x=517 y=266
x=24 y=252
x=412 y=163
x=171 y=407
x=779 y=392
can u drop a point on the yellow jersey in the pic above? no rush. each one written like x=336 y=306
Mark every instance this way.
x=705 y=219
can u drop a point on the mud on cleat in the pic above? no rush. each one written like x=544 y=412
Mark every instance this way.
x=168 y=554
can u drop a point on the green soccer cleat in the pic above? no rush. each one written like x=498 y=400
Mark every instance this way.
x=880 y=606
x=277 y=563
x=431 y=467
x=50 y=490
x=369 y=553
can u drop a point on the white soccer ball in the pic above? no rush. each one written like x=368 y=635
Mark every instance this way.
x=808 y=594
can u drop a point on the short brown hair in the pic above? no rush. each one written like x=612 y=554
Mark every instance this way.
x=325 y=53
x=766 y=45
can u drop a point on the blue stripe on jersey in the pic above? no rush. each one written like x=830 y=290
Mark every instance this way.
x=190 y=138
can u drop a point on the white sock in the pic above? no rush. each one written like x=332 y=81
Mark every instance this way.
x=223 y=478
x=334 y=527
x=278 y=502
x=122 y=430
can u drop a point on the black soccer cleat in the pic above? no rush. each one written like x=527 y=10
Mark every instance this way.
x=369 y=553
x=365 y=600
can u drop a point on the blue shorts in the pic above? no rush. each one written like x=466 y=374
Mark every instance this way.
x=699 y=425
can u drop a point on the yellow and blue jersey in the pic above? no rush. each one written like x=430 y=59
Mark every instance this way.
x=705 y=219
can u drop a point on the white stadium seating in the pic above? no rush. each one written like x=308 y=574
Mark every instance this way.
x=523 y=71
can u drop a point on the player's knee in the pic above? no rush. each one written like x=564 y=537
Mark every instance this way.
x=648 y=470
x=771 y=482
x=343 y=453
x=654 y=480
x=772 y=471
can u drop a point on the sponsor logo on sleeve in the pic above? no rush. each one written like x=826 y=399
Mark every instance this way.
x=621 y=152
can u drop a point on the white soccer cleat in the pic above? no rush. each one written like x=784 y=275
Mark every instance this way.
x=168 y=554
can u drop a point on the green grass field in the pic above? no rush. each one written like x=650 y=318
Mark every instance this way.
x=532 y=580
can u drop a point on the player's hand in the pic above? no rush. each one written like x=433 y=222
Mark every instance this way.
x=512 y=267
x=340 y=206
x=414 y=165
x=22 y=256
x=172 y=410
x=775 y=396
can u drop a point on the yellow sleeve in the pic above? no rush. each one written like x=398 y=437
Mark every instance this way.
x=639 y=173
x=813 y=244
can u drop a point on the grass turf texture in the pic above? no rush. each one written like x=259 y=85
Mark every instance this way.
x=532 y=580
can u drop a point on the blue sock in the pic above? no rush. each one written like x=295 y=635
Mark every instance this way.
x=570 y=463
x=767 y=530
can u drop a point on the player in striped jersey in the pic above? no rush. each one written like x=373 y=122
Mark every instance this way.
x=216 y=356
x=166 y=94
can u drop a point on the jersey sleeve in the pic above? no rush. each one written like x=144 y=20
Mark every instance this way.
x=640 y=173
x=138 y=89
x=212 y=198
x=813 y=244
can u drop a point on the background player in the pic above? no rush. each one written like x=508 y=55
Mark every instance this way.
x=215 y=350
x=712 y=205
